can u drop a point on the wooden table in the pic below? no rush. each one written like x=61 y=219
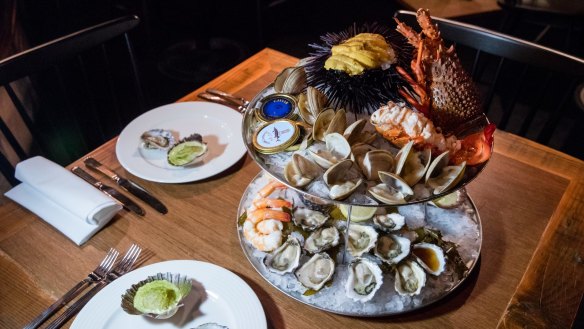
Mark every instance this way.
x=530 y=199
x=452 y=8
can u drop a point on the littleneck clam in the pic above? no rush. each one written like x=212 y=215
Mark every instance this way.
x=187 y=151
x=310 y=104
x=285 y=258
x=337 y=149
x=340 y=181
x=159 y=296
x=364 y=280
x=375 y=161
x=300 y=171
x=291 y=80
x=158 y=139
x=316 y=271
x=392 y=190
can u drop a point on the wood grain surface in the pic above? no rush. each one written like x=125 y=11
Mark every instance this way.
x=529 y=197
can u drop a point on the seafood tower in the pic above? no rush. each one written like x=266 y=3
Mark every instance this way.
x=362 y=144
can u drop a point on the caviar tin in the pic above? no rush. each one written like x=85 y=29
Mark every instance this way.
x=276 y=107
x=276 y=136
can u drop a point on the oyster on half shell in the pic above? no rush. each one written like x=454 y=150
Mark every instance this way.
x=430 y=256
x=285 y=258
x=410 y=278
x=309 y=219
x=389 y=222
x=187 y=151
x=392 y=248
x=364 y=280
x=322 y=239
x=316 y=271
x=158 y=139
x=361 y=239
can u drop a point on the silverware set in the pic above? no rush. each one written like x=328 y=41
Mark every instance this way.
x=107 y=271
x=127 y=184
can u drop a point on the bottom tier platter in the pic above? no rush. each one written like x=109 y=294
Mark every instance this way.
x=457 y=230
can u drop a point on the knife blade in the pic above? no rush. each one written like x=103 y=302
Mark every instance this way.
x=127 y=185
x=112 y=192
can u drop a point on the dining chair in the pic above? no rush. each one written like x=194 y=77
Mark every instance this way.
x=69 y=95
x=527 y=89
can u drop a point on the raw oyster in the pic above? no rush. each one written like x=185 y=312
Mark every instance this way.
x=309 y=219
x=392 y=248
x=286 y=258
x=300 y=171
x=389 y=222
x=364 y=280
x=431 y=257
x=337 y=149
x=158 y=296
x=187 y=151
x=310 y=104
x=322 y=239
x=340 y=181
x=409 y=278
x=316 y=271
x=291 y=80
x=361 y=239
x=158 y=139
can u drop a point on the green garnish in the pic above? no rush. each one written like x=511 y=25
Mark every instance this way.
x=157 y=297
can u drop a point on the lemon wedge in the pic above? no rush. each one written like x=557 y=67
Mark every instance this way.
x=358 y=214
x=448 y=201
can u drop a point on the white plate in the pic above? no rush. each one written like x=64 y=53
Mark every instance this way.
x=219 y=125
x=229 y=300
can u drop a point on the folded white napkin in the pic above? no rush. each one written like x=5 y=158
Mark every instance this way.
x=62 y=199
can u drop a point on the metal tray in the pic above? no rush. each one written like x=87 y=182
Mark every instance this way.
x=360 y=197
x=466 y=233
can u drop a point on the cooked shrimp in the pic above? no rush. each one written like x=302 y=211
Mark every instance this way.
x=259 y=215
x=271 y=203
x=270 y=187
x=265 y=235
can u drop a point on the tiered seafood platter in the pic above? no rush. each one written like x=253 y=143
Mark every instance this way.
x=350 y=130
x=456 y=232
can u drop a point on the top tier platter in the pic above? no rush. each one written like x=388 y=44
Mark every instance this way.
x=317 y=189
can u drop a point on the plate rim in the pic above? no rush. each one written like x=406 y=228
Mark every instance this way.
x=235 y=154
x=252 y=298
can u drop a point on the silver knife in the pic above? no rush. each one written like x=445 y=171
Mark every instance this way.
x=112 y=192
x=127 y=185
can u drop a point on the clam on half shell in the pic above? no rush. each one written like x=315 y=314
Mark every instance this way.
x=291 y=80
x=340 y=181
x=392 y=190
x=337 y=149
x=310 y=104
x=411 y=165
x=300 y=171
x=375 y=161
x=329 y=121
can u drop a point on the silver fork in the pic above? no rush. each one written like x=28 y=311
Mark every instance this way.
x=121 y=268
x=96 y=275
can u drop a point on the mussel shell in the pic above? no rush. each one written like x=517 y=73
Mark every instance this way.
x=183 y=283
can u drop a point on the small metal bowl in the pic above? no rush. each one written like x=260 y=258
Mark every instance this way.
x=183 y=284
